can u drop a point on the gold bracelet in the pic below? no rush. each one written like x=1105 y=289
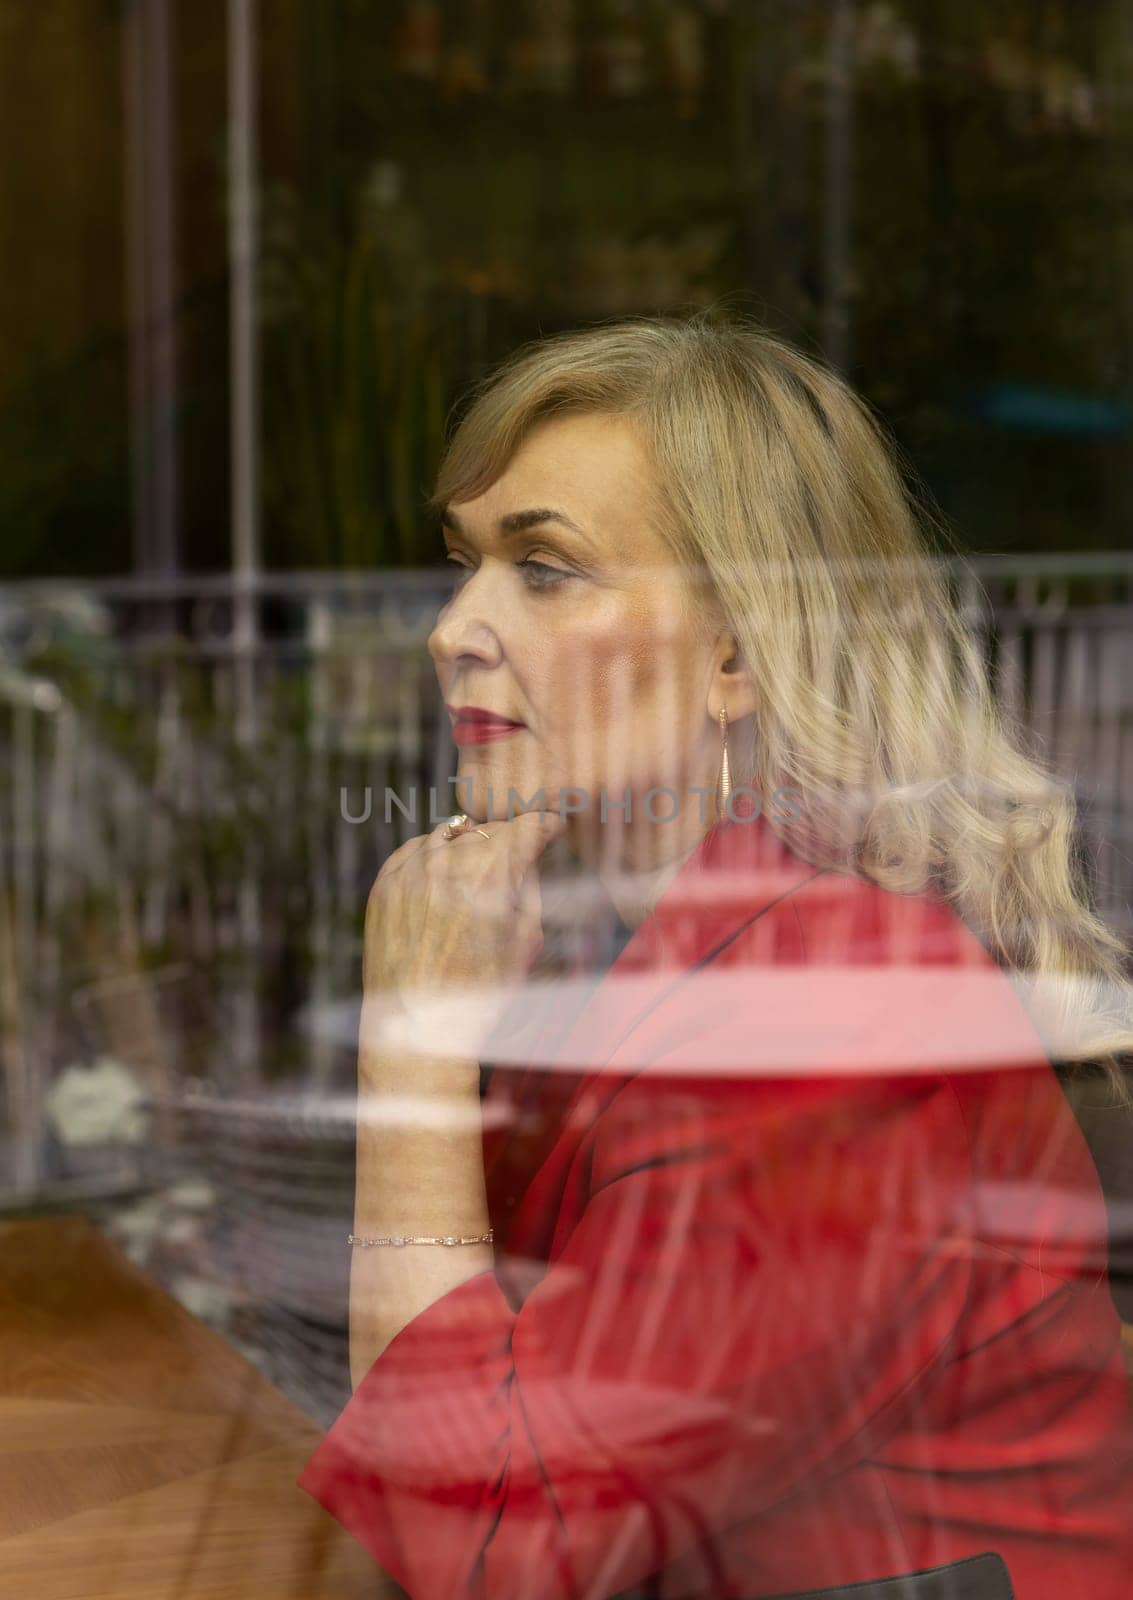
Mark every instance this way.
x=400 y=1239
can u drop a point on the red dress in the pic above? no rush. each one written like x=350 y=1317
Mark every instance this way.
x=800 y=1282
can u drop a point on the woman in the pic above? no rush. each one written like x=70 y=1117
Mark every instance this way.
x=788 y=1271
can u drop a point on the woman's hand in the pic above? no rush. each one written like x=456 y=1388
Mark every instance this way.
x=452 y=929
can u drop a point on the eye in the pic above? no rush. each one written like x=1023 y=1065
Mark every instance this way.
x=537 y=575
x=542 y=576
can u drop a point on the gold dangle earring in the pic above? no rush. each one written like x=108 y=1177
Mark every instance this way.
x=724 y=787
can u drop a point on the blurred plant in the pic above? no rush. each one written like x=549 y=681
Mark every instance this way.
x=357 y=372
x=148 y=818
x=64 y=476
x=96 y=1103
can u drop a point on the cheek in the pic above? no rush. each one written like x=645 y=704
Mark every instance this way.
x=616 y=674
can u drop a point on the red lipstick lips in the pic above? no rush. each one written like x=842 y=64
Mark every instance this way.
x=475 y=725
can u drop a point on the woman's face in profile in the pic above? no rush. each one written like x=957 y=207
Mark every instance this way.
x=574 y=625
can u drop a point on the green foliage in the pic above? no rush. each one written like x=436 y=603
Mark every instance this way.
x=64 y=470
x=357 y=379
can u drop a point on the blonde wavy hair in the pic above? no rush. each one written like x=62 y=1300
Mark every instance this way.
x=782 y=494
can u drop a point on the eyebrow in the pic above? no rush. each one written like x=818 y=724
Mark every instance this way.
x=516 y=521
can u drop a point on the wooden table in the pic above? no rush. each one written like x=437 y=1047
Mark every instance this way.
x=140 y=1456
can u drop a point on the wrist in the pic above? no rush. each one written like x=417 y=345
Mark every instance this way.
x=428 y=1024
x=396 y=1073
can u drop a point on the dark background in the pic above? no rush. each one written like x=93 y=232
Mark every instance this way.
x=438 y=182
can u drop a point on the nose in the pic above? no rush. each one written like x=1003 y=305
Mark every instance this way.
x=465 y=629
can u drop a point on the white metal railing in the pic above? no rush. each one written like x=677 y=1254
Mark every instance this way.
x=169 y=796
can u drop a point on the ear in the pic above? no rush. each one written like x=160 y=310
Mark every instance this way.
x=731 y=683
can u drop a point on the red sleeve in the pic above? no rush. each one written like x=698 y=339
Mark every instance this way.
x=758 y=1271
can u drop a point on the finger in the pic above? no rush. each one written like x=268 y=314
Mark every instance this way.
x=439 y=835
x=476 y=832
x=536 y=829
x=529 y=897
x=402 y=856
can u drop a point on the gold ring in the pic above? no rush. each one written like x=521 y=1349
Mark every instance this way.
x=460 y=822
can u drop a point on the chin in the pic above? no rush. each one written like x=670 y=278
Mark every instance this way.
x=482 y=791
